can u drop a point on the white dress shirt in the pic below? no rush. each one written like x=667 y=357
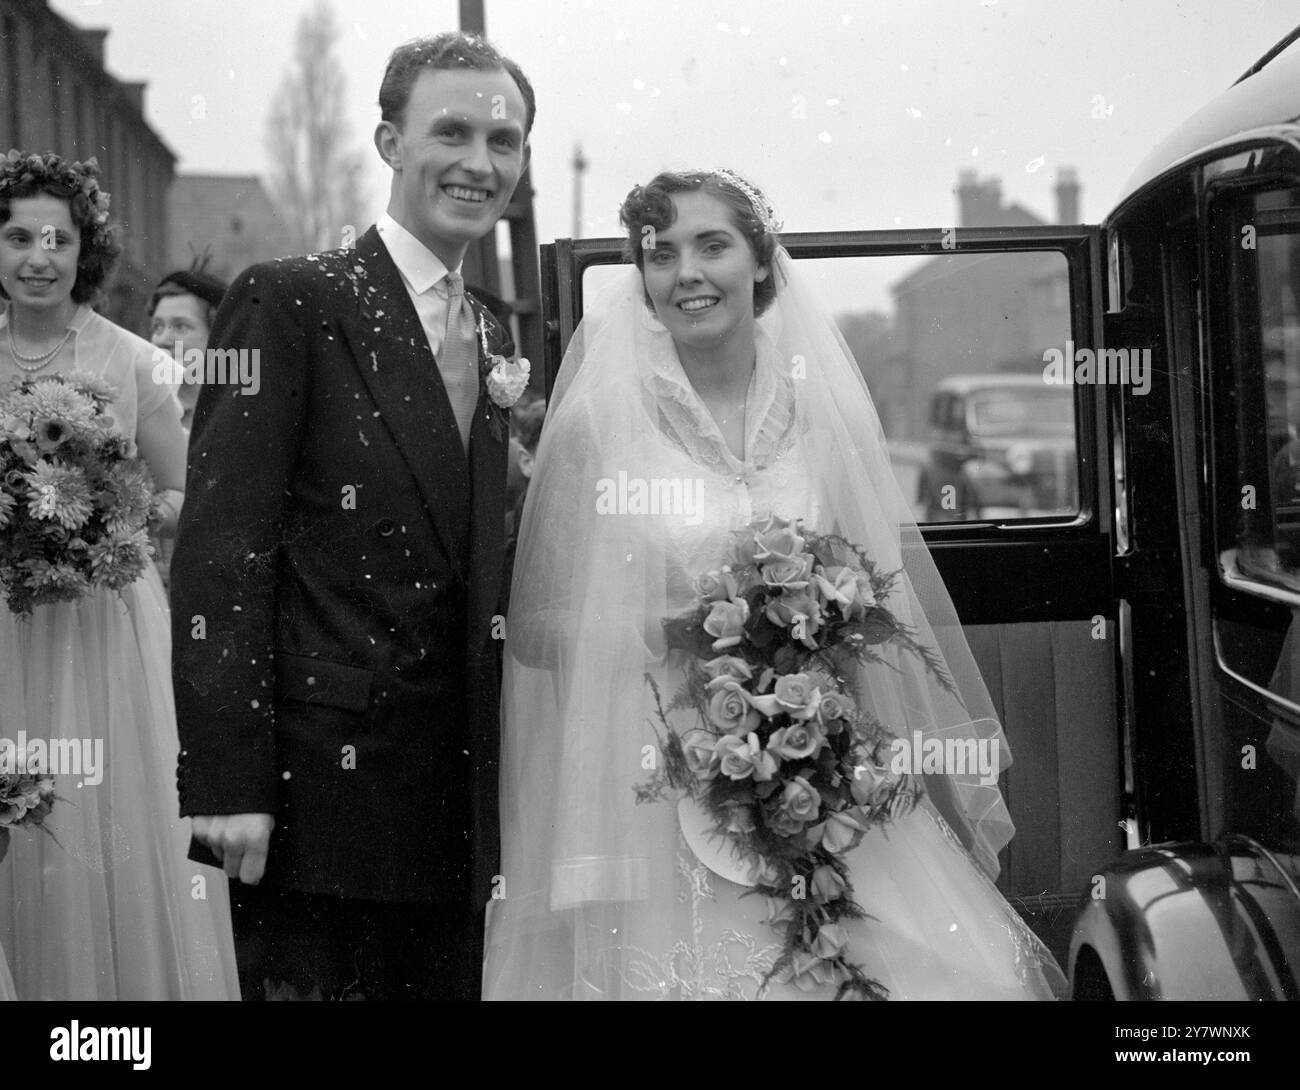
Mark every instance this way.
x=423 y=273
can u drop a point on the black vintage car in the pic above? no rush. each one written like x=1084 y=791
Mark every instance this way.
x=1001 y=446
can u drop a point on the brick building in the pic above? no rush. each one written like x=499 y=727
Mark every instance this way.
x=55 y=95
x=228 y=216
x=964 y=314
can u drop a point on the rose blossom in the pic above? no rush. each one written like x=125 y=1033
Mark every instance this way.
x=866 y=596
x=830 y=942
x=730 y=709
x=800 y=801
x=784 y=610
x=797 y=695
x=762 y=872
x=839 y=586
x=871 y=784
x=744 y=757
x=772 y=537
x=832 y=706
x=701 y=754
x=807 y=972
x=843 y=830
x=728 y=666
x=780 y=543
x=716 y=586
x=726 y=623
x=827 y=884
x=797 y=742
x=786 y=572
x=792 y=695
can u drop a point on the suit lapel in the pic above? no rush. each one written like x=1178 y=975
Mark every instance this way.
x=391 y=353
x=487 y=460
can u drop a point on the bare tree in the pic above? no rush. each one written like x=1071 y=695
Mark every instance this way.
x=315 y=179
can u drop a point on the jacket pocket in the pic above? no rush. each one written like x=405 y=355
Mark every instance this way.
x=319 y=681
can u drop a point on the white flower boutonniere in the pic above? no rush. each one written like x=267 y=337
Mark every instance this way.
x=507 y=380
x=504 y=381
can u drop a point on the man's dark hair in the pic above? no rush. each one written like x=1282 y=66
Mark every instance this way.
x=446 y=52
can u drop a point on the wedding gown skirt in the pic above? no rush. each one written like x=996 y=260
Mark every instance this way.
x=643 y=917
x=113 y=910
x=937 y=929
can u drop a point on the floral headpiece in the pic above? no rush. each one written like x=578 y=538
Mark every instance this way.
x=763 y=208
x=18 y=171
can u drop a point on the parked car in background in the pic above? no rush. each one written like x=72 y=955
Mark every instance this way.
x=1002 y=446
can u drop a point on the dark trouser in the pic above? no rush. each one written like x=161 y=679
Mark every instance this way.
x=292 y=945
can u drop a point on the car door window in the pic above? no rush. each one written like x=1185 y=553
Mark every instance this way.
x=1255 y=409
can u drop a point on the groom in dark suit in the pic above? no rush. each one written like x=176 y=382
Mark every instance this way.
x=339 y=565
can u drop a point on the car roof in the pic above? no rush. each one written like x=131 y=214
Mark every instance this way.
x=1267 y=101
x=965 y=384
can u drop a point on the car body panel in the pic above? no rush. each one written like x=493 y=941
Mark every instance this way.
x=1191 y=921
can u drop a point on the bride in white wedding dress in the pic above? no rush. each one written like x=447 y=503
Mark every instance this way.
x=678 y=417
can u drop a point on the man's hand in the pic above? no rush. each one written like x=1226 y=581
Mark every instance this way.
x=240 y=841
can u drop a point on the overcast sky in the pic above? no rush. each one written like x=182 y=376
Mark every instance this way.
x=851 y=114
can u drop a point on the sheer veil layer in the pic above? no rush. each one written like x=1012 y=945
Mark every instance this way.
x=596 y=573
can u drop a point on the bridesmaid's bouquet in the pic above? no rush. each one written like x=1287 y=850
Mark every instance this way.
x=26 y=797
x=787 y=768
x=76 y=500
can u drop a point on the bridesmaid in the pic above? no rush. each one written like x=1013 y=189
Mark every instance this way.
x=6 y=981
x=113 y=910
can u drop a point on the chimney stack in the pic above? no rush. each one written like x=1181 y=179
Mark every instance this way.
x=1067 y=196
x=93 y=41
x=979 y=203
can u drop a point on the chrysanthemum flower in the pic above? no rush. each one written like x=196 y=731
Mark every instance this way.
x=92 y=386
x=118 y=561
x=130 y=486
x=54 y=582
x=59 y=493
x=51 y=397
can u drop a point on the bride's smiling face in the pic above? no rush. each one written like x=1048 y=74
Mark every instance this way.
x=700 y=274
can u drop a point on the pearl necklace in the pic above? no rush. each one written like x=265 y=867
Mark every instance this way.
x=41 y=360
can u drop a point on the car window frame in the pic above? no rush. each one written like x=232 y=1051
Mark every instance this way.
x=1080 y=245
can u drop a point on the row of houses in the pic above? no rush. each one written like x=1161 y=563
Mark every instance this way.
x=57 y=95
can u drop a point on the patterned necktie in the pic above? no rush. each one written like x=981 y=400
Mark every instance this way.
x=458 y=360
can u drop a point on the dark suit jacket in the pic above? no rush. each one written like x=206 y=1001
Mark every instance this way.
x=333 y=587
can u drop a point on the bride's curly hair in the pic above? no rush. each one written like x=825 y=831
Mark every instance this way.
x=651 y=205
x=24 y=174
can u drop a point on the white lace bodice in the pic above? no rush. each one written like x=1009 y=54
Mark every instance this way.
x=773 y=478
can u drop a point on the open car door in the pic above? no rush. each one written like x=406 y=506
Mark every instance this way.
x=1013 y=483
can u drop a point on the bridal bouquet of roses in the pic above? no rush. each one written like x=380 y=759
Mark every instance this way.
x=76 y=500
x=786 y=765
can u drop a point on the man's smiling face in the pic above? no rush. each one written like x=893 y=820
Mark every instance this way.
x=457 y=156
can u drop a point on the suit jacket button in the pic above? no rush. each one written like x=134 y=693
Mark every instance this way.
x=385 y=527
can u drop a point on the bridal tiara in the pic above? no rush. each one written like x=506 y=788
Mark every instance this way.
x=763 y=208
